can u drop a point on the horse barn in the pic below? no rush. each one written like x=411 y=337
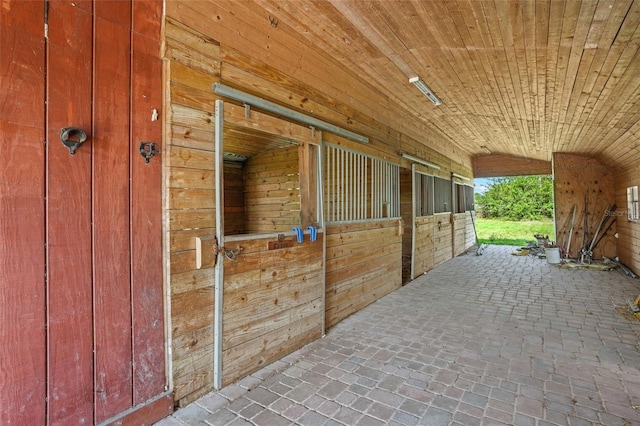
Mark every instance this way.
x=192 y=190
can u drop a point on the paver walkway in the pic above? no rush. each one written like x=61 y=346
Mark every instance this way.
x=480 y=340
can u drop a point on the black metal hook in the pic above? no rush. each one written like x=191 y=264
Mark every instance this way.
x=72 y=138
x=148 y=150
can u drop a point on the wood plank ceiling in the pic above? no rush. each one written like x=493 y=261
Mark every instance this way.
x=525 y=78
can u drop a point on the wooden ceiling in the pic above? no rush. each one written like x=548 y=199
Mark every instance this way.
x=525 y=78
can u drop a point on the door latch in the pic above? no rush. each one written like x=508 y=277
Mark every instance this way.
x=229 y=254
x=148 y=150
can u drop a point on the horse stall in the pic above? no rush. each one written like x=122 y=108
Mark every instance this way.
x=269 y=245
x=364 y=228
x=243 y=187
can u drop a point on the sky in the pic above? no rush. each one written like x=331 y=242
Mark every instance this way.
x=481 y=185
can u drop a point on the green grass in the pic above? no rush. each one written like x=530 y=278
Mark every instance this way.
x=510 y=233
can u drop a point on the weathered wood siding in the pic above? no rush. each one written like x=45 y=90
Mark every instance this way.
x=434 y=239
x=272 y=191
x=275 y=62
x=442 y=238
x=272 y=302
x=459 y=233
x=498 y=165
x=234 y=211
x=291 y=316
x=23 y=197
x=203 y=46
x=81 y=285
x=470 y=231
x=364 y=262
x=628 y=247
x=406 y=212
x=577 y=178
x=423 y=260
x=191 y=66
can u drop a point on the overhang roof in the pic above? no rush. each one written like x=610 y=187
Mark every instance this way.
x=523 y=78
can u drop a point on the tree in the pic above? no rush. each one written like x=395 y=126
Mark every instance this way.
x=517 y=198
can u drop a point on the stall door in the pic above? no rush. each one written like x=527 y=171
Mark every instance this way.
x=269 y=297
x=82 y=302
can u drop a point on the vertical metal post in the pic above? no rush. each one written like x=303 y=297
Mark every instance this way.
x=349 y=185
x=326 y=160
x=321 y=224
x=376 y=191
x=219 y=269
x=366 y=187
x=374 y=207
x=360 y=191
x=340 y=185
x=432 y=189
x=414 y=196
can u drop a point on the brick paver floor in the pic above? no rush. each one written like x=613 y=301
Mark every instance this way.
x=480 y=340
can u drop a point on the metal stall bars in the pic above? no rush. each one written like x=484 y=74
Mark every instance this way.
x=360 y=187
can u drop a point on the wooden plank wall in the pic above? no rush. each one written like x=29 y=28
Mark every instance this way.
x=272 y=303
x=23 y=333
x=628 y=243
x=459 y=233
x=442 y=238
x=272 y=191
x=499 y=165
x=435 y=242
x=406 y=212
x=191 y=66
x=423 y=260
x=470 y=232
x=275 y=62
x=234 y=213
x=201 y=48
x=575 y=177
x=364 y=263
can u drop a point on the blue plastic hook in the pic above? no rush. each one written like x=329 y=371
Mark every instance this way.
x=299 y=233
x=313 y=232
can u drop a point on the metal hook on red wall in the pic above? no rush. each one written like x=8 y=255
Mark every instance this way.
x=148 y=150
x=72 y=138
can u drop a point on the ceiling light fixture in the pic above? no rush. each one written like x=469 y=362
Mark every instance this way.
x=420 y=161
x=425 y=90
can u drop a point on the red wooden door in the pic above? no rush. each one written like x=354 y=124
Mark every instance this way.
x=22 y=225
x=81 y=230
